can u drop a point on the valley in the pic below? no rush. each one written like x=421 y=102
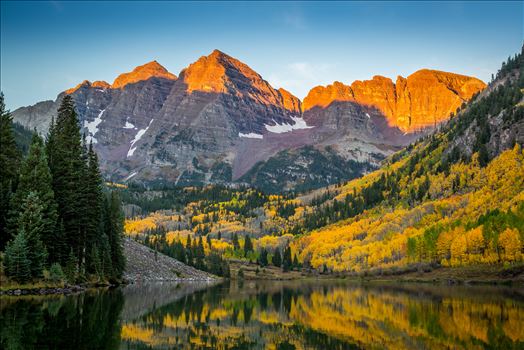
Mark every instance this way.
x=261 y=175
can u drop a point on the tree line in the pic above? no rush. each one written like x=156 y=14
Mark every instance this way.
x=57 y=221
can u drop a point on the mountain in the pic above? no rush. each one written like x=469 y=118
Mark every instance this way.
x=219 y=121
x=453 y=198
x=424 y=99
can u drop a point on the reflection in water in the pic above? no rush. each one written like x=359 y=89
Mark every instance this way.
x=270 y=315
x=85 y=321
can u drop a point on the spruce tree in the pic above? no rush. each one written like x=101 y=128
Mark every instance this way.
x=9 y=166
x=287 y=261
x=95 y=262
x=35 y=177
x=263 y=258
x=115 y=235
x=106 y=265
x=189 y=251
x=64 y=150
x=71 y=267
x=236 y=244
x=296 y=264
x=30 y=222
x=94 y=205
x=277 y=258
x=248 y=245
x=200 y=255
x=18 y=266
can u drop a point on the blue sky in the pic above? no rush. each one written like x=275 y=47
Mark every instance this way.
x=47 y=47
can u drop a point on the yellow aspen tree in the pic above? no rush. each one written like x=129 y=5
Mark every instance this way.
x=509 y=242
x=459 y=249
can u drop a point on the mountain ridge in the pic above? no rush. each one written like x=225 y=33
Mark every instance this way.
x=219 y=118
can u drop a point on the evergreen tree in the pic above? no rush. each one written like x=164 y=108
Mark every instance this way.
x=9 y=166
x=277 y=258
x=262 y=260
x=65 y=157
x=248 y=245
x=71 y=267
x=35 y=177
x=296 y=264
x=18 y=265
x=95 y=262
x=208 y=239
x=94 y=204
x=31 y=223
x=236 y=244
x=189 y=251
x=106 y=265
x=287 y=261
x=199 y=254
x=115 y=235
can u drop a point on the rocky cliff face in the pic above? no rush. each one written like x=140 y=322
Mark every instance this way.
x=219 y=119
x=423 y=99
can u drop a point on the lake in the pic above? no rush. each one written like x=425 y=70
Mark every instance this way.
x=268 y=315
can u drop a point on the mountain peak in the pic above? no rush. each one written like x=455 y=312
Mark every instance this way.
x=216 y=71
x=82 y=84
x=143 y=72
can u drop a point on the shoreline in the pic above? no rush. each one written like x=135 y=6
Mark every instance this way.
x=467 y=275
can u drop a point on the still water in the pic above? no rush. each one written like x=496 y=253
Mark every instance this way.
x=268 y=315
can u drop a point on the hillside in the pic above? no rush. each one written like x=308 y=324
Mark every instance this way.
x=453 y=198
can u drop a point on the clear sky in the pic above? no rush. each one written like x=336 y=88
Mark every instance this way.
x=47 y=47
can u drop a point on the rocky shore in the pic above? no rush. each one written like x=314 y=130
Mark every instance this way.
x=145 y=264
x=44 y=291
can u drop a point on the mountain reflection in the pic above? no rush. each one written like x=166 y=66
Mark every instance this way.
x=269 y=315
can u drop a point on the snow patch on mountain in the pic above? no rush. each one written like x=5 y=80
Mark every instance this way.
x=138 y=136
x=251 y=135
x=282 y=128
x=129 y=125
x=92 y=127
x=130 y=176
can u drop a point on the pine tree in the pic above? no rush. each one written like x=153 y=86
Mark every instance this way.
x=64 y=150
x=189 y=251
x=287 y=261
x=208 y=239
x=95 y=262
x=17 y=263
x=200 y=255
x=31 y=223
x=277 y=258
x=71 y=267
x=248 y=245
x=296 y=264
x=9 y=166
x=262 y=260
x=35 y=177
x=236 y=244
x=115 y=235
x=106 y=266
x=94 y=204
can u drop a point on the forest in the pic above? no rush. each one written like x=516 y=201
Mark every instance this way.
x=59 y=223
